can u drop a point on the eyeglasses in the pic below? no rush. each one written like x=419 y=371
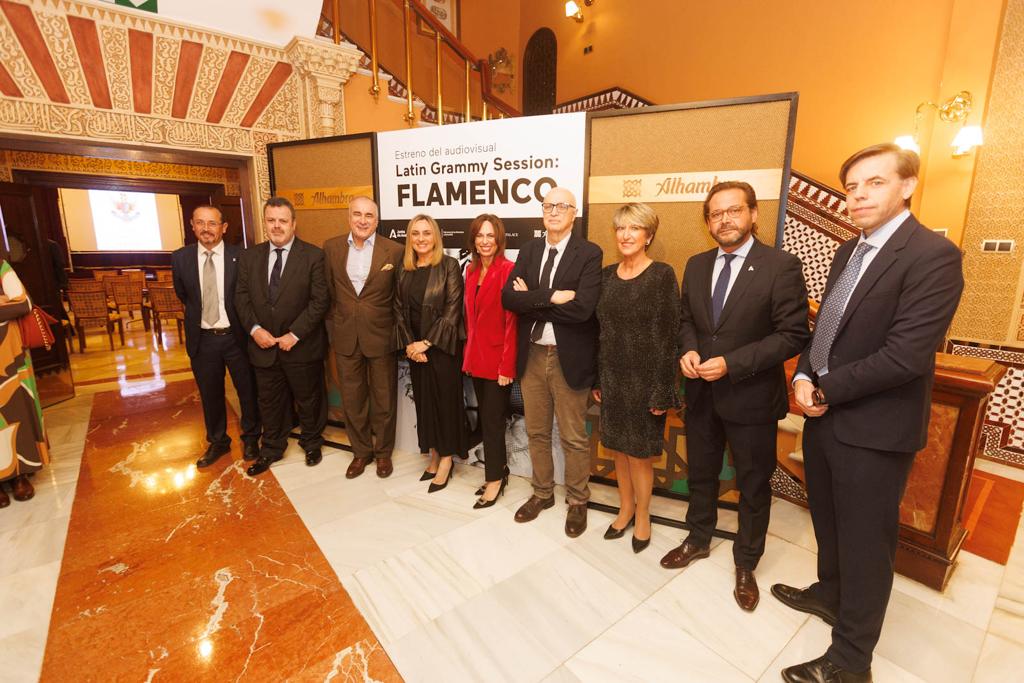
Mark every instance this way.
x=556 y=209
x=732 y=212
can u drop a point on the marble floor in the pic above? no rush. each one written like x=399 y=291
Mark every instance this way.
x=448 y=592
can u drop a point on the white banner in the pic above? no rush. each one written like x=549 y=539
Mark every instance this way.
x=678 y=186
x=503 y=166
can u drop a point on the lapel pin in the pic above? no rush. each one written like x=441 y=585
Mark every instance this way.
x=750 y=268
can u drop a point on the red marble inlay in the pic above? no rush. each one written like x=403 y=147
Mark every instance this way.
x=229 y=79
x=140 y=51
x=87 y=43
x=7 y=85
x=172 y=573
x=36 y=49
x=185 y=78
x=277 y=78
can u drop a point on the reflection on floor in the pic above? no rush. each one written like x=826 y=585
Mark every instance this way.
x=451 y=593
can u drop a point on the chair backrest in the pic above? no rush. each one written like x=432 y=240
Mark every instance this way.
x=111 y=280
x=164 y=275
x=100 y=274
x=78 y=284
x=127 y=291
x=85 y=304
x=165 y=302
x=135 y=274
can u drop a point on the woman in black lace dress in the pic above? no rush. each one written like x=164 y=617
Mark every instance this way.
x=429 y=319
x=637 y=364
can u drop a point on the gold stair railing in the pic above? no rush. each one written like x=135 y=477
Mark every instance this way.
x=420 y=31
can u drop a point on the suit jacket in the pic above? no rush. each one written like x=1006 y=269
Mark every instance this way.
x=189 y=288
x=301 y=303
x=575 y=324
x=441 y=311
x=363 y=323
x=882 y=362
x=490 y=329
x=763 y=324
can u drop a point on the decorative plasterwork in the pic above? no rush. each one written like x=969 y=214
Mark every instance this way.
x=324 y=68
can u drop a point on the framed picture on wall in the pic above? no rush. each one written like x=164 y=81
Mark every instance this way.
x=445 y=11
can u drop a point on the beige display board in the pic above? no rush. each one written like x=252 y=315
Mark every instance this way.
x=338 y=167
x=670 y=156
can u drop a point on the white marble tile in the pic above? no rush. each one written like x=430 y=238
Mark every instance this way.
x=646 y=646
x=27 y=598
x=927 y=642
x=812 y=640
x=364 y=538
x=970 y=594
x=335 y=498
x=407 y=591
x=32 y=545
x=792 y=523
x=563 y=601
x=1001 y=661
x=477 y=641
x=496 y=547
x=1008 y=616
x=294 y=474
x=21 y=655
x=51 y=501
x=999 y=469
x=700 y=602
x=561 y=675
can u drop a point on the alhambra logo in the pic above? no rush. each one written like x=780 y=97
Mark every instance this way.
x=299 y=199
x=632 y=187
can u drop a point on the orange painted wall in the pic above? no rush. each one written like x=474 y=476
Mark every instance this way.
x=488 y=25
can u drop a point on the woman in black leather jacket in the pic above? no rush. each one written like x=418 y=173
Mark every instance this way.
x=429 y=320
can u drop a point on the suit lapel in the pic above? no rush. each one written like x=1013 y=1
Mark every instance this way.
x=705 y=272
x=376 y=262
x=749 y=269
x=192 y=270
x=264 y=269
x=292 y=263
x=564 y=263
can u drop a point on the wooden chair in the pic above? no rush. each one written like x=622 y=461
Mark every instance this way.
x=78 y=284
x=166 y=306
x=100 y=274
x=108 y=285
x=127 y=292
x=135 y=275
x=90 y=310
x=164 y=275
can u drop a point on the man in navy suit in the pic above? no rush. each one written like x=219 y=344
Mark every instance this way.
x=204 y=280
x=865 y=384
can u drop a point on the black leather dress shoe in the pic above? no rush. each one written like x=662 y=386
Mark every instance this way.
x=313 y=457
x=821 y=670
x=803 y=601
x=262 y=464
x=251 y=451
x=212 y=455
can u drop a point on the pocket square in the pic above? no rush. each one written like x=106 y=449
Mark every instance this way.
x=388 y=266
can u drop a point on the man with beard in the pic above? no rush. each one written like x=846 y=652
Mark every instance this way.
x=744 y=313
x=204 y=277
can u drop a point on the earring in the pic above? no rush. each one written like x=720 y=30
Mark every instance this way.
x=648 y=243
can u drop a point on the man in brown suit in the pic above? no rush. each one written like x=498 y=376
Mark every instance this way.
x=362 y=272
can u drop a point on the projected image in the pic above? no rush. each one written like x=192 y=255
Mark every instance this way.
x=125 y=221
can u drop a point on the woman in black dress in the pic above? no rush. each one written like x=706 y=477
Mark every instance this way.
x=637 y=363
x=429 y=319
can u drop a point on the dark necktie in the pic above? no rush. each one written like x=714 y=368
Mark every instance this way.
x=721 y=287
x=275 y=275
x=545 y=282
x=831 y=311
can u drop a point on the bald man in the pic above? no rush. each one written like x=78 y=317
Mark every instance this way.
x=554 y=289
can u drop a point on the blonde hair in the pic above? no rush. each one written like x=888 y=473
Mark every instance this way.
x=409 y=262
x=640 y=214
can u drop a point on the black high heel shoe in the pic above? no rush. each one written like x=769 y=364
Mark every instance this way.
x=480 y=491
x=434 y=488
x=612 y=533
x=427 y=474
x=481 y=504
x=639 y=545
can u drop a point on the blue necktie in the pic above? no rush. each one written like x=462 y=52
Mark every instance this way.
x=832 y=309
x=721 y=287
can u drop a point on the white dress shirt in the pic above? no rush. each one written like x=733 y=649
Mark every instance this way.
x=218 y=264
x=358 y=265
x=877 y=239
x=547 y=336
x=734 y=267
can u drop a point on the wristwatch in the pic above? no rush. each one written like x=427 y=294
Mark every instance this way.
x=818 y=397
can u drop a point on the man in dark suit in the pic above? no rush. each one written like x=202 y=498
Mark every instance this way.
x=865 y=384
x=744 y=313
x=362 y=270
x=282 y=299
x=204 y=277
x=554 y=289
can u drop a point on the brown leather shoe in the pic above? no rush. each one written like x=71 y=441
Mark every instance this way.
x=576 y=520
x=821 y=670
x=384 y=467
x=529 y=510
x=679 y=557
x=5 y=500
x=21 y=488
x=746 y=593
x=356 y=467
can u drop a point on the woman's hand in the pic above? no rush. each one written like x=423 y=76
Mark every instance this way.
x=504 y=381
x=658 y=411
x=596 y=395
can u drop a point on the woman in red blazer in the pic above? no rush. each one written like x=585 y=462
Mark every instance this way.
x=489 y=356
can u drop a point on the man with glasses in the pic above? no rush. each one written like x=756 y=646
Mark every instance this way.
x=744 y=313
x=554 y=289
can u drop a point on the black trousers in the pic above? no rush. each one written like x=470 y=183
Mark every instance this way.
x=492 y=402
x=854 y=495
x=282 y=386
x=753 y=452
x=215 y=354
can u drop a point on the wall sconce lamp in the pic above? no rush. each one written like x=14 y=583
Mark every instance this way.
x=954 y=110
x=574 y=11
